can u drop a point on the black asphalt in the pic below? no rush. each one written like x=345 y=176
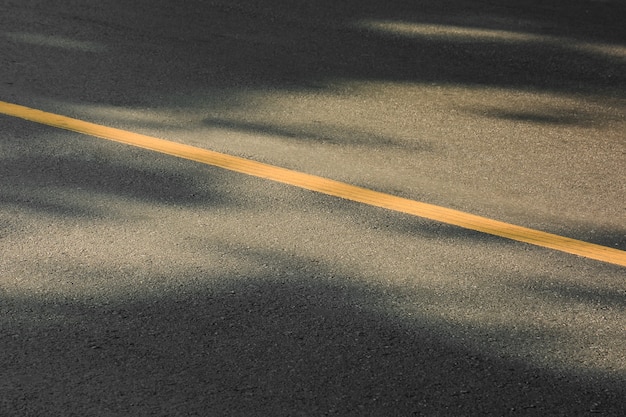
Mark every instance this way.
x=137 y=284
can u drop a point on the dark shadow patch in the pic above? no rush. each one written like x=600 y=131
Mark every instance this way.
x=29 y=201
x=572 y=293
x=269 y=44
x=557 y=118
x=31 y=181
x=318 y=132
x=265 y=348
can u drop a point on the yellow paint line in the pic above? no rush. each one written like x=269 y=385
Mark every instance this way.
x=324 y=185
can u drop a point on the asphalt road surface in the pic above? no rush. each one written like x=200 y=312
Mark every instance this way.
x=134 y=283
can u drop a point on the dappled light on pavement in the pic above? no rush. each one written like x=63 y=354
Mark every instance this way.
x=133 y=282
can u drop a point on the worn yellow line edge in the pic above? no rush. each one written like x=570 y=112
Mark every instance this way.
x=324 y=185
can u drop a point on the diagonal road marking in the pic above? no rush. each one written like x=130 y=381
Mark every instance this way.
x=324 y=185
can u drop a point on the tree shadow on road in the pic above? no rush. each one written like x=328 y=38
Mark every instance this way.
x=64 y=178
x=202 y=46
x=273 y=344
x=265 y=345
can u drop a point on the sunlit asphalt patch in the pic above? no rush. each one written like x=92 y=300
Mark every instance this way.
x=324 y=185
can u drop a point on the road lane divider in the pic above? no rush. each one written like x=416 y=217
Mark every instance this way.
x=324 y=185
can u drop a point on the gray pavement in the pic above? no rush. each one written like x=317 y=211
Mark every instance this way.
x=134 y=283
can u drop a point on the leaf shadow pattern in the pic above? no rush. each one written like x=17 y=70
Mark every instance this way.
x=269 y=44
x=263 y=345
x=542 y=117
x=576 y=293
x=320 y=133
x=63 y=185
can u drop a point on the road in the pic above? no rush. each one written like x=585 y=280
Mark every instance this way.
x=137 y=283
